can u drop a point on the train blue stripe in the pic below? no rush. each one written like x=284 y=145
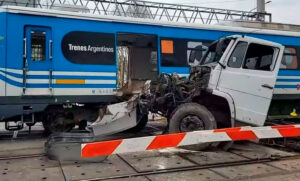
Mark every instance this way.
x=87 y=77
x=37 y=85
x=30 y=85
x=289 y=73
x=286 y=86
x=12 y=74
x=178 y=70
x=84 y=77
x=11 y=82
x=288 y=80
x=85 y=86
x=72 y=86
x=17 y=84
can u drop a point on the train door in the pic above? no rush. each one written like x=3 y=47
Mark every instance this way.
x=37 y=65
x=137 y=60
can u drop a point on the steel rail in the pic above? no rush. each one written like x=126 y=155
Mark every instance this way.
x=196 y=167
x=21 y=156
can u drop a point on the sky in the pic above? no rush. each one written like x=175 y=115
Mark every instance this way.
x=283 y=11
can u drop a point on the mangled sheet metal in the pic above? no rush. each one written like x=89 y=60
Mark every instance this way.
x=112 y=119
x=117 y=117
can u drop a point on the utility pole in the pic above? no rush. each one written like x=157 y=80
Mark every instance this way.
x=260 y=9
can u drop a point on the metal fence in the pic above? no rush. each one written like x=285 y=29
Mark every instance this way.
x=145 y=9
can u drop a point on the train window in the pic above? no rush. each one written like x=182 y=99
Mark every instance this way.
x=195 y=51
x=38 y=45
x=177 y=52
x=289 y=59
x=259 y=60
x=175 y=58
x=238 y=55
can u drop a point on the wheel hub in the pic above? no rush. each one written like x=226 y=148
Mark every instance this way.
x=191 y=123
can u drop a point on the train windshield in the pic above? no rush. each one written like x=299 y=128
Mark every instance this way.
x=215 y=51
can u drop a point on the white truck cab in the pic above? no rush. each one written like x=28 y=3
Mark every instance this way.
x=244 y=72
x=231 y=85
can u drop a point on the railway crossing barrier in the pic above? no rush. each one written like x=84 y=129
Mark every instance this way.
x=106 y=148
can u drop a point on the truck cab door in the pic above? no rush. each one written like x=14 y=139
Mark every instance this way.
x=249 y=77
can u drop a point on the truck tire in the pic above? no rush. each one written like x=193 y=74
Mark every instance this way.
x=192 y=117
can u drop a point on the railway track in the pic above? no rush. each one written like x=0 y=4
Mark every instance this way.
x=151 y=165
x=24 y=158
x=22 y=136
x=238 y=160
x=182 y=169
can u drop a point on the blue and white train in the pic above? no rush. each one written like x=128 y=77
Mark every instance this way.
x=54 y=61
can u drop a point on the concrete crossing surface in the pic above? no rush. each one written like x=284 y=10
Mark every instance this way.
x=25 y=159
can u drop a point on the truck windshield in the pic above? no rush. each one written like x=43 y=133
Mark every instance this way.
x=215 y=51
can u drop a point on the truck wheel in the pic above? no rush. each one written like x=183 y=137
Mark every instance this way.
x=192 y=117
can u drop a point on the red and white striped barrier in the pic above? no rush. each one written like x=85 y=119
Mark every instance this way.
x=105 y=148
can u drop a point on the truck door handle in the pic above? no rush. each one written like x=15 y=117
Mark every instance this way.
x=267 y=86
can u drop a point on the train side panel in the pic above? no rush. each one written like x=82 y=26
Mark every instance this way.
x=3 y=39
x=94 y=79
x=68 y=72
x=66 y=78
